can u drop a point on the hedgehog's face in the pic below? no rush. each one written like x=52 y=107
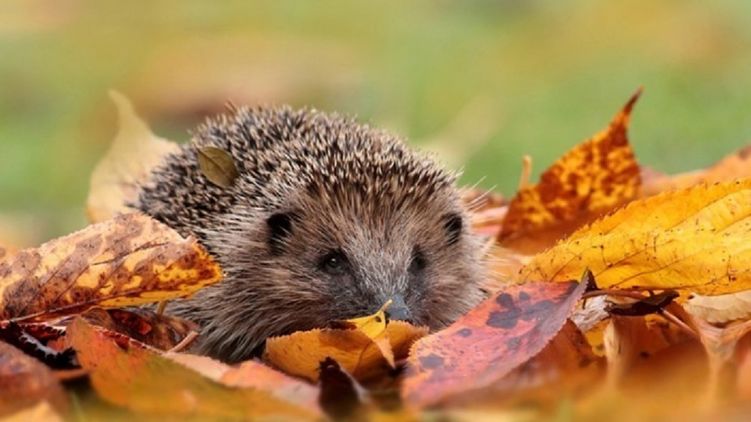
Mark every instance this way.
x=345 y=262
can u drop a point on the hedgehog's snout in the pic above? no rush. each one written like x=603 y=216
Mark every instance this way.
x=398 y=310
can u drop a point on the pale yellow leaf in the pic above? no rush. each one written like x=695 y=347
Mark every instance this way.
x=134 y=152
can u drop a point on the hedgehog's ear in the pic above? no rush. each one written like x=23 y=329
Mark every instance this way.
x=280 y=227
x=453 y=224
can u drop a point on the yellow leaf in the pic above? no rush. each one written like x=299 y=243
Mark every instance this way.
x=372 y=325
x=359 y=355
x=694 y=239
x=133 y=154
x=129 y=260
x=593 y=178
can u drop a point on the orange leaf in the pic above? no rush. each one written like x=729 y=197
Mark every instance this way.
x=130 y=374
x=358 y=354
x=489 y=342
x=129 y=260
x=735 y=166
x=588 y=181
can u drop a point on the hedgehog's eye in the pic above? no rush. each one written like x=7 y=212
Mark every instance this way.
x=334 y=263
x=418 y=262
x=453 y=225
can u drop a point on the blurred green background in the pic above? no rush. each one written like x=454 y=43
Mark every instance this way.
x=481 y=82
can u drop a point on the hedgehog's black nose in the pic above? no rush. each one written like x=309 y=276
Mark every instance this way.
x=398 y=309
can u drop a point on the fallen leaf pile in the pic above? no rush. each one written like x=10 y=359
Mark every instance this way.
x=614 y=292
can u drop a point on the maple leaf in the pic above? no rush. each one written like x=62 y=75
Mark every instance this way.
x=129 y=260
x=593 y=178
x=694 y=239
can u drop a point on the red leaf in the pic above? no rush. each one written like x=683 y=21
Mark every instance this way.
x=480 y=348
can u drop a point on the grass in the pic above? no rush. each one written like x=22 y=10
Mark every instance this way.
x=486 y=81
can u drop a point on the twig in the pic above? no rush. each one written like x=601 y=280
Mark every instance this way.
x=184 y=343
x=677 y=321
x=162 y=307
x=526 y=172
x=613 y=292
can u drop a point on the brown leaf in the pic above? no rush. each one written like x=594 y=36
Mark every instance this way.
x=489 y=342
x=42 y=341
x=159 y=331
x=127 y=165
x=129 y=260
x=595 y=177
x=218 y=166
x=341 y=397
x=25 y=381
x=127 y=373
x=301 y=353
x=648 y=305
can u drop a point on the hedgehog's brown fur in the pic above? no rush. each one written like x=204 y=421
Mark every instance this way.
x=327 y=220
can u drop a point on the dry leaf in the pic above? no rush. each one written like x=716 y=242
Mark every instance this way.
x=129 y=374
x=721 y=308
x=341 y=397
x=43 y=341
x=694 y=239
x=128 y=163
x=301 y=353
x=566 y=367
x=25 y=381
x=595 y=177
x=251 y=374
x=218 y=166
x=490 y=341
x=129 y=260
x=735 y=166
x=146 y=326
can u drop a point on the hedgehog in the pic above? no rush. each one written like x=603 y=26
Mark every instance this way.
x=327 y=219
